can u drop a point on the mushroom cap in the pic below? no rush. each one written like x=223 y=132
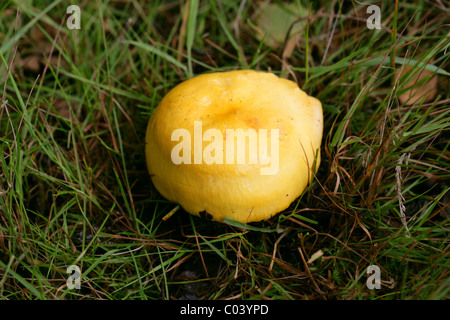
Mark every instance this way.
x=242 y=190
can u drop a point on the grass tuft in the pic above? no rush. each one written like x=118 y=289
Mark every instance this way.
x=74 y=188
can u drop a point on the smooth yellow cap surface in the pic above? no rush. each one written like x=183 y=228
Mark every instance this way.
x=258 y=103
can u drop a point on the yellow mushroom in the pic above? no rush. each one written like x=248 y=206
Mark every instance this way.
x=240 y=144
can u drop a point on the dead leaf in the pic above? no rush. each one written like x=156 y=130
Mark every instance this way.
x=290 y=46
x=315 y=256
x=274 y=21
x=31 y=63
x=62 y=107
x=422 y=85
